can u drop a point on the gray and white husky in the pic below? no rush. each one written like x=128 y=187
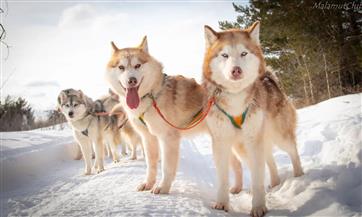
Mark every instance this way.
x=88 y=128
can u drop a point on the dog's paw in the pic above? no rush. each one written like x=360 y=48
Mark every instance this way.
x=235 y=190
x=221 y=206
x=160 y=190
x=145 y=186
x=99 y=170
x=133 y=158
x=258 y=211
x=298 y=173
x=248 y=191
x=116 y=161
x=87 y=173
x=274 y=183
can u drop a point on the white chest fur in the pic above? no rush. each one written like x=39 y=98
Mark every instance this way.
x=154 y=124
x=221 y=127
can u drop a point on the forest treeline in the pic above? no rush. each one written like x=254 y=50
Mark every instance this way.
x=17 y=115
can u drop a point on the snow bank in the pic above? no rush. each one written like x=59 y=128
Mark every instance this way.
x=45 y=182
x=29 y=153
x=330 y=145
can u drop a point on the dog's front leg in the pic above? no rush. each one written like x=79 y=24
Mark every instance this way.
x=238 y=174
x=151 y=148
x=114 y=152
x=108 y=151
x=257 y=170
x=133 y=151
x=114 y=141
x=170 y=148
x=86 y=149
x=221 y=154
x=99 y=151
x=133 y=143
x=123 y=149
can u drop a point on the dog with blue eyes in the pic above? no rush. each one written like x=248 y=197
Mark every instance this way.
x=251 y=115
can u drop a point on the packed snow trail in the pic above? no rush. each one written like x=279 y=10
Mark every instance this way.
x=39 y=178
x=65 y=192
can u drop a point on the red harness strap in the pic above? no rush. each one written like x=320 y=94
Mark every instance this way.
x=204 y=113
x=193 y=123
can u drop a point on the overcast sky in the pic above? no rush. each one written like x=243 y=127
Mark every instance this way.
x=57 y=45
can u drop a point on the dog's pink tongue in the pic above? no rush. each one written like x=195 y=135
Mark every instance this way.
x=132 y=98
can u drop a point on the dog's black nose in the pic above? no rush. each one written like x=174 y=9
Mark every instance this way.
x=71 y=114
x=236 y=72
x=132 y=81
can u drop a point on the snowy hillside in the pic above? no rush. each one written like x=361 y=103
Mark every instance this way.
x=39 y=177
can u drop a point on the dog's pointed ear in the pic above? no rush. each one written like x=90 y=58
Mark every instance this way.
x=114 y=47
x=144 y=45
x=116 y=110
x=254 y=32
x=87 y=100
x=58 y=108
x=113 y=95
x=81 y=94
x=60 y=99
x=210 y=36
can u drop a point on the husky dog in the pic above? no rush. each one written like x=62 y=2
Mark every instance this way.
x=131 y=138
x=138 y=79
x=128 y=134
x=251 y=112
x=105 y=104
x=88 y=128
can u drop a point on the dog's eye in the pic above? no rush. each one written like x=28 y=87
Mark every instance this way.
x=121 y=67
x=244 y=53
x=67 y=105
x=225 y=55
x=137 y=66
x=75 y=105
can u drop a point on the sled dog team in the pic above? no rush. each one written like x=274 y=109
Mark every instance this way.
x=239 y=104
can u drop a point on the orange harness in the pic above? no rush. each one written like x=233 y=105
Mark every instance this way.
x=197 y=119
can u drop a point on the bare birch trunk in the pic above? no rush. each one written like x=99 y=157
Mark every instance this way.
x=327 y=79
x=306 y=97
x=309 y=80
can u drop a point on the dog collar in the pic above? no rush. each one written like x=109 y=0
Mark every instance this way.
x=236 y=121
x=149 y=95
x=85 y=132
x=153 y=98
x=140 y=118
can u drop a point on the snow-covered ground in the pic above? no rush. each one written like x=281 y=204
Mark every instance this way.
x=39 y=177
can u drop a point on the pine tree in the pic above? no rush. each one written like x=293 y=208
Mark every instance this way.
x=15 y=115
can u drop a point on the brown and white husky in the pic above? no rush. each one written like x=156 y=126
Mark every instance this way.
x=138 y=79
x=129 y=136
x=251 y=113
